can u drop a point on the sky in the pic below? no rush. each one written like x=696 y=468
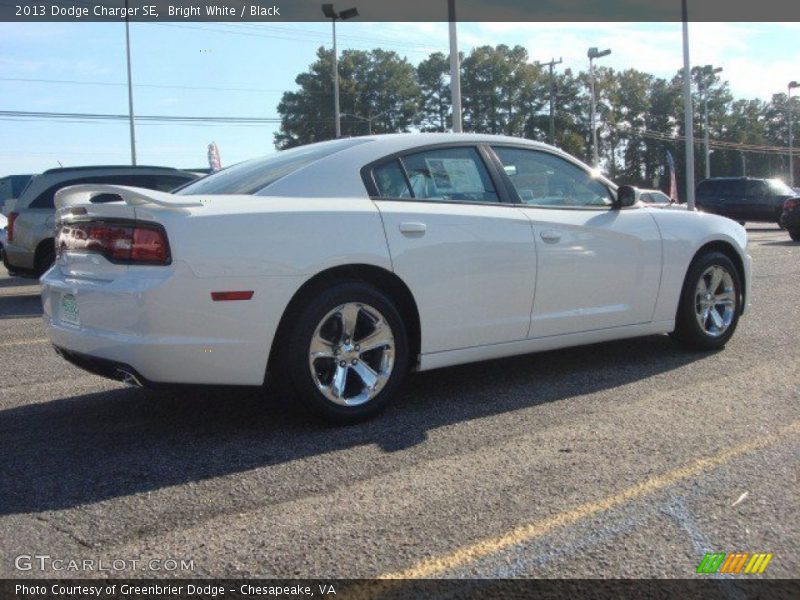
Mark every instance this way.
x=216 y=69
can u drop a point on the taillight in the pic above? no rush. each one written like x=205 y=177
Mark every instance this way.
x=10 y=227
x=123 y=242
x=791 y=204
x=149 y=245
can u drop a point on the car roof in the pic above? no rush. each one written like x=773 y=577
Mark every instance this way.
x=108 y=168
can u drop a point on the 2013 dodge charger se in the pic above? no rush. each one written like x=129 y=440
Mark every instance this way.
x=340 y=266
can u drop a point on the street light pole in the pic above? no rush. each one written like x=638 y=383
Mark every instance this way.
x=328 y=11
x=553 y=62
x=455 y=68
x=336 y=116
x=790 y=87
x=592 y=54
x=688 y=111
x=130 y=86
x=704 y=93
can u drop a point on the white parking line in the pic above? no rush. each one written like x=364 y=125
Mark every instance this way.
x=24 y=342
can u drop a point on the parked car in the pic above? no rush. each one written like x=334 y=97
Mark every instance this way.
x=31 y=217
x=790 y=218
x=654 y=197
x=743 y=198
x=340 y=266
x=658 y=199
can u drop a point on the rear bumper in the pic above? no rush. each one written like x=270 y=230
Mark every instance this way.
x=103 y=367
x=160 y=325
x=17 y=257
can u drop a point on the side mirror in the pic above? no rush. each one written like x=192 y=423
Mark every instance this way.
x=627 y=195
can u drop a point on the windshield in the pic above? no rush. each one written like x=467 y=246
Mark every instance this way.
x=252 y=176
x=779 y=188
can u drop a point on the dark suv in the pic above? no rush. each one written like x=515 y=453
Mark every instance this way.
x=744 y=198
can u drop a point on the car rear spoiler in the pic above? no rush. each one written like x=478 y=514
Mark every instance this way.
x=81 y=194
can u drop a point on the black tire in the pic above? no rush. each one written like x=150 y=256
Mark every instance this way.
x=45 y=257
x=794 y=234
x=311 y=316
x=688 y=330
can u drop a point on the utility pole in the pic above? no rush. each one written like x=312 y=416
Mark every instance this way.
x=551 y=65
x=130 y=86
x=688 y=111
x=455 y=68
x=790 y=87
x=337 y=117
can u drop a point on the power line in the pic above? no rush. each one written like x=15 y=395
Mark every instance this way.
x=143 y=85
x=18 y=114
x=716 y=144
x=290 y=36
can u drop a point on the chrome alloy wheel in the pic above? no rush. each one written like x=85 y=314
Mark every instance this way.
x=715 y=301
x=351 y=354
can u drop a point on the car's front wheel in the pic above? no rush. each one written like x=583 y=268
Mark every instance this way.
x=710 y=302
x=347 y=352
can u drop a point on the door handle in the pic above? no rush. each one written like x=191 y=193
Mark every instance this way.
x=550 y=236
x=413 y=228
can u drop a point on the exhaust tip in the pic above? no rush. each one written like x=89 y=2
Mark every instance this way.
x=128 y=378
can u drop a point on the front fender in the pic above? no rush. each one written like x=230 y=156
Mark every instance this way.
x=683 y=234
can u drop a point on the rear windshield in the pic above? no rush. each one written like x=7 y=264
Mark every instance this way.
x=254 y=175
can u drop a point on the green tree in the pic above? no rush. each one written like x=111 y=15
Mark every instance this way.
x=378 y=90
x=501 y=90
x=433 y=75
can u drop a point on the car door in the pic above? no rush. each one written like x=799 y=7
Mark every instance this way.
x=597 y=267
x=735 y=203
x=467 y=256
x=757 y=203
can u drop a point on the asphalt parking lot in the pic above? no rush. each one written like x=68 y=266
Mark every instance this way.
x=624 y=459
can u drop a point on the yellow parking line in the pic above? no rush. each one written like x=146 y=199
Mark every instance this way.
x=461 y=556
x=24 y=342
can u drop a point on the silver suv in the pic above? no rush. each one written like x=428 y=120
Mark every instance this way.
x=31 y=217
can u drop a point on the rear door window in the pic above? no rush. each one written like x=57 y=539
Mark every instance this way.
x=450 y=174
x=756 y=189
x=391 y=181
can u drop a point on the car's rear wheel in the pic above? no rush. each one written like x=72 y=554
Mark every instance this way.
x=347 y=352
x=45 y=257
x=794 y=234
x=710 y=302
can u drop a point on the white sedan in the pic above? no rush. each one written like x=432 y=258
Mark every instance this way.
x=338 y=267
